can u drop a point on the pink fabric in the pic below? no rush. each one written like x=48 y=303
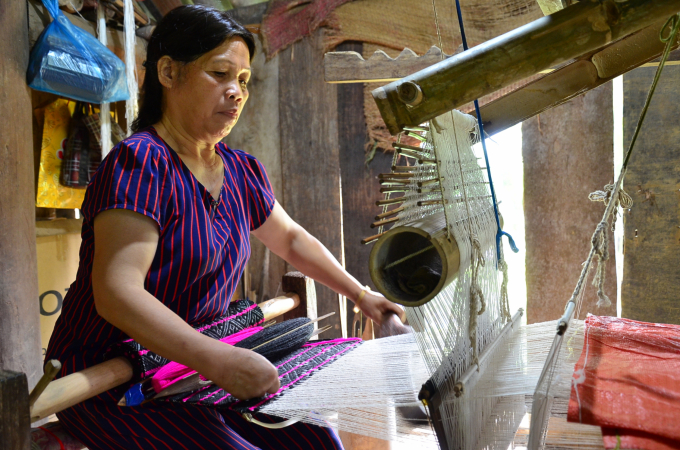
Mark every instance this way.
x=173 y=372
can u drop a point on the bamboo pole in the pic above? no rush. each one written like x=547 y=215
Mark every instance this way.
x=547 y=42
x=79 y=386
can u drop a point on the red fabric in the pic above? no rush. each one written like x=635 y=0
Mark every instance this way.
x=627 y=380
x=288 y=21
x=173 y=372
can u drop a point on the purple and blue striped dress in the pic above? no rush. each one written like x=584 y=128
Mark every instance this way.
x=202 y=249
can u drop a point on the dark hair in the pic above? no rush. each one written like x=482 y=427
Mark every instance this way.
x=184 y=34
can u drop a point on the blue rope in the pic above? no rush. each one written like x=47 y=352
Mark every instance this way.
x=500 y=233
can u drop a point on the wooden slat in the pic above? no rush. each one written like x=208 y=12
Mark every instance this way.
x=15 y=425
x=309 y=153
x=19 y=312
x=652 y=229
x=561 y=167
x=344 y=66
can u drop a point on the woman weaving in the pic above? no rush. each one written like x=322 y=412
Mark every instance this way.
x=166 y=228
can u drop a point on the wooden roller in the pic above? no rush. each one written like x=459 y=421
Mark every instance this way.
x=79 y=386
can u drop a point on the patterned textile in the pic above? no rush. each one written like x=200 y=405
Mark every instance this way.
x=293 y=368
x=240 y=315
x=627 y=381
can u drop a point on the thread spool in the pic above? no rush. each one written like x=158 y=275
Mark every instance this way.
x=418 y=279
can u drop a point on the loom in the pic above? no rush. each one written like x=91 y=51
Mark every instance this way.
x=480 y=365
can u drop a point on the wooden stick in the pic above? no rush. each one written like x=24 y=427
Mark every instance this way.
x=389 y=213
x=390 y=201
x=387 y=190
x=402 y=181
x=79 y=386
x=370 y=239
x=52 y=368
x=398 y=145
x=395 y=175
x=384 y=222
x=428 y=182
x=403 y=168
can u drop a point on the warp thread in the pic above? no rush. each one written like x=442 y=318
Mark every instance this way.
x=476 y=294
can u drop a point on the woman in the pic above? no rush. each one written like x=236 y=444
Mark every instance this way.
x=166 y=230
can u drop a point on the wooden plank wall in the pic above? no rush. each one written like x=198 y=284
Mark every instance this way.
x=651 y=273
x=310 y=166
x=360 y=188
x=568 y=153
x=257 y=133
x=19 y=311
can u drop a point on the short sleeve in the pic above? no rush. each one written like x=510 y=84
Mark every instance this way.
x=260 y=195
x=133 y=177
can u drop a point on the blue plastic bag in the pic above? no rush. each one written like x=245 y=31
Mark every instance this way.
x=70 y=62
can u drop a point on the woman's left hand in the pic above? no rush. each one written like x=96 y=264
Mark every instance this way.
x=378 y=308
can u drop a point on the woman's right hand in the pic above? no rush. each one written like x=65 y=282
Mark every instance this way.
x=242 y=373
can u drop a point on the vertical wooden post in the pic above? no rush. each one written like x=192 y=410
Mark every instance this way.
x=568 y=153
x=19 y=313
x=15 y=424
x=309 y=153
x=651 y=264
x=359 y=180
x=257 y=133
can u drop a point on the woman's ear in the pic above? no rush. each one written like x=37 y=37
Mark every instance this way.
x=168 y=71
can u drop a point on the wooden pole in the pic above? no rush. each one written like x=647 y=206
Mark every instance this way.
x=521 y=53
x=77 y=387
x=19 y=311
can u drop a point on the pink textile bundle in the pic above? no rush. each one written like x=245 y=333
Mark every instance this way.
x=174 y=372
x=627 y=381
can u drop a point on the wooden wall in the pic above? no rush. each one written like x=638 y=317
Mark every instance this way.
x=19 y=311
x=651 y=273
x=310 y=136
x=568 y=153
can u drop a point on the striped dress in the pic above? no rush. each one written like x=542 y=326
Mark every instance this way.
x=202 y=249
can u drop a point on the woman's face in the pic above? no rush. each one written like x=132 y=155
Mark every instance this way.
x=210 y=92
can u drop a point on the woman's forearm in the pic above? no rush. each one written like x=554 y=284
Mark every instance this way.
x=146 y=320
x=312 y=258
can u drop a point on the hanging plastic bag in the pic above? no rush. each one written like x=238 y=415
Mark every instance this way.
x=69 y=61
x=51 y=194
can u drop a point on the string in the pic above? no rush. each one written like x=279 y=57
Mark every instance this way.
x=500 y=233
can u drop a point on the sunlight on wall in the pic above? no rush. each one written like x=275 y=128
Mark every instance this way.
x=505 y=159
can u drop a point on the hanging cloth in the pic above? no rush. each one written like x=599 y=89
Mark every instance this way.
x=627 y=381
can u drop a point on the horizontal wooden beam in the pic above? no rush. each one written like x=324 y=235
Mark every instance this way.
x=547 y=42
x=574 y=79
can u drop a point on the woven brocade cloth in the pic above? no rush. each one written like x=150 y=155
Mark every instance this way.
x=240 y=315
x=627 y=381
x=299 y=360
